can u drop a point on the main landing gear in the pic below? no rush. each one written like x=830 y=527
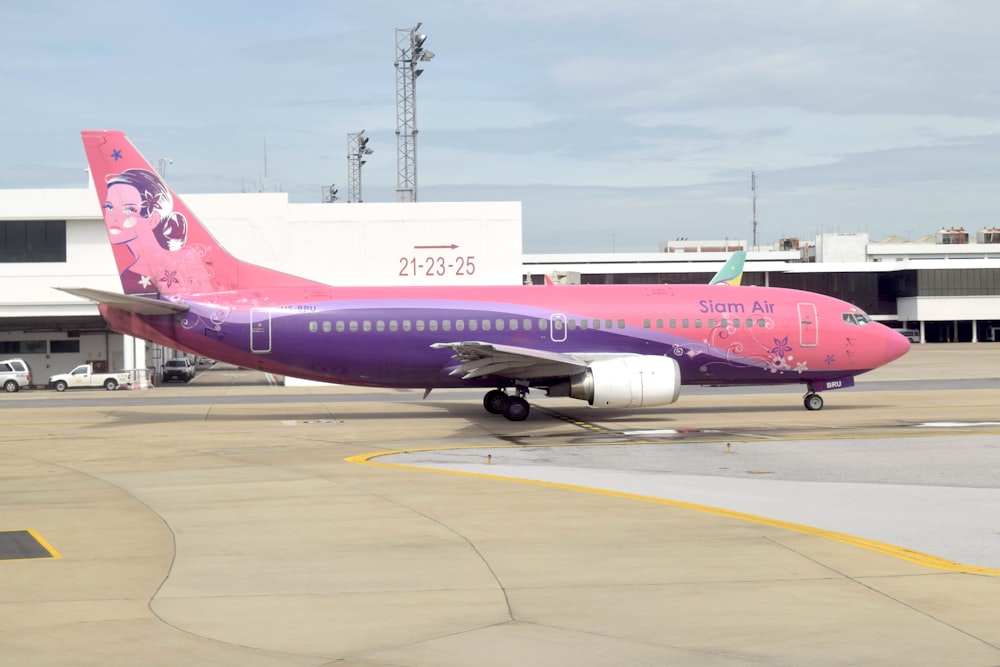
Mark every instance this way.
x=499 y=402
x=813 y=401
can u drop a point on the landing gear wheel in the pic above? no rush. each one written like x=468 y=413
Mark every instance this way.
x=516 y=409
x=813 y=402
x=493 y=401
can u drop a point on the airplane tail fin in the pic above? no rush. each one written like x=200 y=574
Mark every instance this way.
x=732 y=272
x=160 y=246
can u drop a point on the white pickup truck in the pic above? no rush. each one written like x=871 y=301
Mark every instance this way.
x=84 y=376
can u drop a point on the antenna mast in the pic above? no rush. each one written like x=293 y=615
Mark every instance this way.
x=753 y=191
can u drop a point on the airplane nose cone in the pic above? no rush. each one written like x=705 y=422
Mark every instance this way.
x=896 y=345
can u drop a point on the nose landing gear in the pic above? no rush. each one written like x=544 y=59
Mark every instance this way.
x=813 y=401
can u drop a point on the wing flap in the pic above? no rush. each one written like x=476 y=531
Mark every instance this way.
x=478 y=359
x=133 y=304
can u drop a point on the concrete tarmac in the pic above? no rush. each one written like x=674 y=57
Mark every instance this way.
x=222 y=523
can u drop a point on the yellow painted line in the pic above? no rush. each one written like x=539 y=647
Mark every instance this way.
x=893 y=550
x=45 y=545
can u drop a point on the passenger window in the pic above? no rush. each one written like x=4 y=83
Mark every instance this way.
x=513 y=324
x=621 y=324
x=459 y=325
x=354 y=325
x=711 y=323
x=486 y=325
x=407 y=326
x=473 y=325
x=445 y=325
x=646 y=323
x=583 y=324
x=327 y=327
x=380 y=325
x=313 y=326
x=543 y=325
x=557 y=325
x=761 y=323
x=420 y=325
x=499 y=324
x=432 y=325
x=340 y=326
x=608 y=324
x=659 y=323
x=393 y=325
x=684 y=323
x=673 y=323
x=367 y=325
x=697 y=323
x=527 y=324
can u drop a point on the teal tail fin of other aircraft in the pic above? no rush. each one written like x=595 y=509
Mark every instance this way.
x=732 y=272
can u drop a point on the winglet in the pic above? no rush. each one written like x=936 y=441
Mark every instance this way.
x=732 y=272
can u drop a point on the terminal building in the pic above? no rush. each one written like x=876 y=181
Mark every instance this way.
x=945 y=288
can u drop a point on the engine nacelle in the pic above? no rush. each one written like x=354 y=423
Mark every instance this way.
x=628 y=382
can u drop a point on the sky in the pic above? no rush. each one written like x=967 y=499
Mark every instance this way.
x=618 y=125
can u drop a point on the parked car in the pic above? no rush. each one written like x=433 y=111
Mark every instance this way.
x=14 y=375
x=180 y=368
x=84 y=376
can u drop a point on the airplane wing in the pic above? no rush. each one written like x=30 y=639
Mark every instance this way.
x=520 y=363
x=133 y=304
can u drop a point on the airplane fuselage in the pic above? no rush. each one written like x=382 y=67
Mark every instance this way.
x=383 y=336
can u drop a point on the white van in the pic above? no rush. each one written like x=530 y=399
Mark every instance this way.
x=912 y=335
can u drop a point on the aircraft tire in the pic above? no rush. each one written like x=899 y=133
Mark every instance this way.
x=493 y=401
x=516 y=409
x=813 y=402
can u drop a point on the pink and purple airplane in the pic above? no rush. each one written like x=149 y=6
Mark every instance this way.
x=613 y=346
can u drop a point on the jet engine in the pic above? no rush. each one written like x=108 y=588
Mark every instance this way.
x=625 y=382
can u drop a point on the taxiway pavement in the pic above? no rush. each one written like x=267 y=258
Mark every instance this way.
x=223 y=523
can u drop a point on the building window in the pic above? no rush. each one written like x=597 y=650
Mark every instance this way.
x=32 y=241
x=64 y=346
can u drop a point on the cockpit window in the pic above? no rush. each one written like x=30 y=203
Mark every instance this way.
x=858 y=319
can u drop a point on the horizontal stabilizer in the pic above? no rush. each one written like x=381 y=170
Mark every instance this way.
x=133 y=304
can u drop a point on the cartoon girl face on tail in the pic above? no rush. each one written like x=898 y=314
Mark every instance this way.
x=148 y=236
